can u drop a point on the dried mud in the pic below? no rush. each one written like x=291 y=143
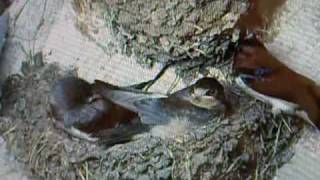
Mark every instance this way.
x=243 y=146
x=160 y=31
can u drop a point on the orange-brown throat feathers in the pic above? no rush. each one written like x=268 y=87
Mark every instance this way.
x=114 y=117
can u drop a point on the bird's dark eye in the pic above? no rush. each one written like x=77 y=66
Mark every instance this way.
x=211 y=93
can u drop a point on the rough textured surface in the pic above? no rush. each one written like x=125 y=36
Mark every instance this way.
x=9 y=168
x=156 y=31
x=244 y=145
x=190 y=47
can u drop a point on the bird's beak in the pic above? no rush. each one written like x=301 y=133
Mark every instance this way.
x=199 y=92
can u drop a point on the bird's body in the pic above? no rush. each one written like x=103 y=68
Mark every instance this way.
x=74 y=104
x=79 y=104
x=268 y=76
x=199 y=102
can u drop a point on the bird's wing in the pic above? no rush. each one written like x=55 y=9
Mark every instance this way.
x=124 y=97
x=153 y=111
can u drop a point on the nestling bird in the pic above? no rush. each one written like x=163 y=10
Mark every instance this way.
x=113 y=110
x=75 y=105
x=199 y=102
x=266 y=78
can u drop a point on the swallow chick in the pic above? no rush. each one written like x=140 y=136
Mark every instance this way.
x=192 y=107
x=81 y=112
x=113 y=114
x=174 y=114
x=267 y=79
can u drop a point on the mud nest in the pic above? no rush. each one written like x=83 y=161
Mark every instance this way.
x=159 y=31
x=251 y=143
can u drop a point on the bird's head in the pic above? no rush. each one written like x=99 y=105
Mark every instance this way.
x=208 y=93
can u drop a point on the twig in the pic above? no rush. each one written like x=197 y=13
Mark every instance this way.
x=10 y=130
x=277 y=140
